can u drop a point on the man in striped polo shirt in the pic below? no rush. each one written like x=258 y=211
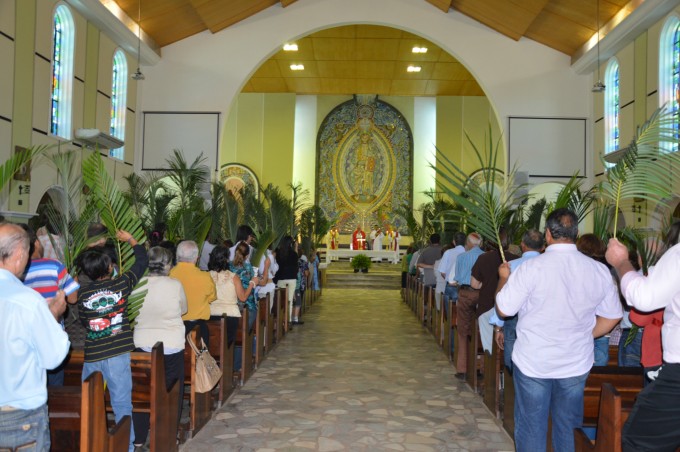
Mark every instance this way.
x=47 y=277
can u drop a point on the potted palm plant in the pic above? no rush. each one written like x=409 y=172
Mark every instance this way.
x=360 y=262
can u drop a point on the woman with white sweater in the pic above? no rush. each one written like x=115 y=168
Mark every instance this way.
x=160 y=319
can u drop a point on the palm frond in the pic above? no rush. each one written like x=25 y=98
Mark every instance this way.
x=412 y=225
x=572 y=197
x=299 y=202
x=280 y=212
x=64 y=212
x=115 y=212
x=16 y=161
x=487 y=198
x=645 y=170
x=187 y=182
x=535 y=214
x=603 y=214
x=264 y=240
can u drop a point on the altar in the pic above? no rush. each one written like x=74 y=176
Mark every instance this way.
x=346 y=253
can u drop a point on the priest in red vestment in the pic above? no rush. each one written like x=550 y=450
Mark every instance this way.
x=358 y=239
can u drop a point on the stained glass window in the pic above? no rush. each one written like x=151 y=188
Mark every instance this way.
x=669 y=70
x=118 y=101
x=63 y=38
x=611 y=107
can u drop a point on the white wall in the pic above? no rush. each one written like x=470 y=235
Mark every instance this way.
x=207 y=71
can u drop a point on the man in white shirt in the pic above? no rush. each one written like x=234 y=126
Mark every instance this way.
x=653 y=422
x=447 y=267
x=31 y=342
x=564 y=300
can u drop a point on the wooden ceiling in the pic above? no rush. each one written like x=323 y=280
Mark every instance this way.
x=373 y=59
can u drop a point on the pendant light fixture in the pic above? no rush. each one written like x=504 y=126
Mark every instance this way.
x=138 y=73
x=598 y=87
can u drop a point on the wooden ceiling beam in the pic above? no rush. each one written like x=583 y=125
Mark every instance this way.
x=285 y=3
x=220 y=14
x=444 y=5
x=511 y=18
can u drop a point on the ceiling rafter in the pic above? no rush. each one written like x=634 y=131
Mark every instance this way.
x=443 y=5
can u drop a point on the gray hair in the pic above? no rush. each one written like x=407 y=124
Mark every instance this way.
x=187 y=251
x=160 y=261
x=12 y=237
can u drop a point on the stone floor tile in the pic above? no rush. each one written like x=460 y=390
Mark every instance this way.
x=360 y=375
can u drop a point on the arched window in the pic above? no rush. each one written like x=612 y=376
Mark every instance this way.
x=118 y=101
x=669 y=69
x=611 y=107
x=63 y=39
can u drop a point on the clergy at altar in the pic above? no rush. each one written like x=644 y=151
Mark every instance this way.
x=358 y=239
x=378 y=240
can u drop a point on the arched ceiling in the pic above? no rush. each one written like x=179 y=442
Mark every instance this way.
x=373 y=59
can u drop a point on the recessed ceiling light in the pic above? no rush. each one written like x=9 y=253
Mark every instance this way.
x=297 y=67
x=290 y=47
x=419 y=49
x=413 y=68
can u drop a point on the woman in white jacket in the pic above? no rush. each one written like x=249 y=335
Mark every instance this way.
x=160 y=319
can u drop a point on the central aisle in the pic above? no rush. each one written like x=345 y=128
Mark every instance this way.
x=360 y=375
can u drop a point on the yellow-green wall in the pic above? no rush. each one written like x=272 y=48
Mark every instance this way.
x=25 y=80
x=259 y=131
x=638 y=98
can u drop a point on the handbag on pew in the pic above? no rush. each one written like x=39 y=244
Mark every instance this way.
x=208 y=372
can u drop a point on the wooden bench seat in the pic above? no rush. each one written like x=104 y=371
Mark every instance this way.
x=200 y=403
x=149 y=393
x=78 y=419
x=244 y=339
x=628 y=382
x=260 y=327
x=609 y=424
x=224 y=355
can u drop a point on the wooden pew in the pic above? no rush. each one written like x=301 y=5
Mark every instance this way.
x=628 y=381
x=493 y=369
x=508 y=403
x=420 y=301
x=224 y=355
x=453 y=319
x=271 y=322
x=78 y=419
x=609 y=424
x=475 y=358
x=244 y=339
x=430 y=306
x=149 y=393
x=281 y=310
x=200 y=404
x=261 y=330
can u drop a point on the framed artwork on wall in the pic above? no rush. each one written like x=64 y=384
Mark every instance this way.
x=237 y=177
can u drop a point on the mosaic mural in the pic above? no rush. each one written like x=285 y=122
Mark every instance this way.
x=364 y=155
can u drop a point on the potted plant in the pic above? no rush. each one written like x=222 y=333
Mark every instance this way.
x=361 y=262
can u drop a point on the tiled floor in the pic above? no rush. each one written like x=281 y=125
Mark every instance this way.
x=360 y=375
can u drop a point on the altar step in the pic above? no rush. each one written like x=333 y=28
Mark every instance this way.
x=340 y=275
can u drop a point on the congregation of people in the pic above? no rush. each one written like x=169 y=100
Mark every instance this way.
x=556 y=306
x=186 y=286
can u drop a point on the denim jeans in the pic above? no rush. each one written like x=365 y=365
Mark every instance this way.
x=629 y=355
x=452 y=293
x=601 y=345
x=118 y=377
x=25 y=430
x=238 y=350
x=535 y=399
x=510 y=336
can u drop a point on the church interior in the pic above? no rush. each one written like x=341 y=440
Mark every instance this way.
x=364 y=107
